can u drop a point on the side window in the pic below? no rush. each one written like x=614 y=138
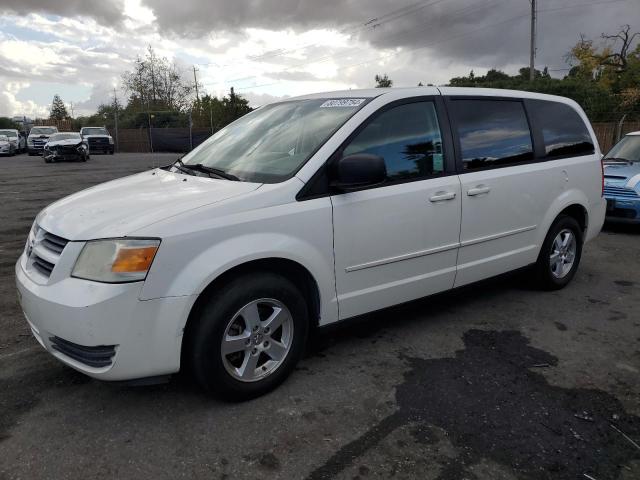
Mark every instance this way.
x=407 y=137
x=492 y=133
x=563 y=130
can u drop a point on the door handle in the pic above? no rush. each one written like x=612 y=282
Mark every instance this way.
x=479 y=190
x=442 y=196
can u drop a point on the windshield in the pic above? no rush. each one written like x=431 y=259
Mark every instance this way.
x=8 y=133
x=43 y=130
x=94 y=131
x=626 y=149
x=270 y=144
x=64 y=136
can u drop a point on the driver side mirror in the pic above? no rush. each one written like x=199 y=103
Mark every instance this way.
x=357 y=171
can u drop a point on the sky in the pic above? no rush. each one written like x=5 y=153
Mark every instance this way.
x=271 y=49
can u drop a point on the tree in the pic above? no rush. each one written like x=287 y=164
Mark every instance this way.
x=156 y=84
x=58 y=110
x=383 y=81
x=6 y=122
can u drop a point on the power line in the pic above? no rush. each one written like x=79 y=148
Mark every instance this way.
x=399 y=35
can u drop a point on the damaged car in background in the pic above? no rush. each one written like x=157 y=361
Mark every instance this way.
x=66 y=146
x=98 y=139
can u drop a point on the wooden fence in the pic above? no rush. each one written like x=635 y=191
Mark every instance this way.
x=607 y=133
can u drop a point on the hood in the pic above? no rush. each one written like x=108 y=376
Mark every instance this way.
x=120 y=207
x=40 y=135
x=96 y=136
x=64 y=142
x=622 y=174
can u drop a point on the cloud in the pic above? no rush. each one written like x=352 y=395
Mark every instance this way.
x=491 y=33
x=105 y=12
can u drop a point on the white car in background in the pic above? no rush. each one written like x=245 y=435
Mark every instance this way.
x=18 y=141
x=98 y=139
x=6 y=147
x=38 y=137
x=304 y=213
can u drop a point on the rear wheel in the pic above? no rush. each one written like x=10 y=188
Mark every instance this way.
x=560 y=254
x=248 y=337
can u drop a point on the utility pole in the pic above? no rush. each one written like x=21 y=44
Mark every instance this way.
x=115 y=118
x=532 y=61
x=195 y=80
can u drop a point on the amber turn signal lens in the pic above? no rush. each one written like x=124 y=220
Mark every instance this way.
x=134 y=259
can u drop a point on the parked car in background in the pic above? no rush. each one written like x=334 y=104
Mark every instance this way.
x=37 y=138
x=17 y=140
x=66 y=146
x=304 y=213
x=98 y=139
x=6 y=147
x=622 y=180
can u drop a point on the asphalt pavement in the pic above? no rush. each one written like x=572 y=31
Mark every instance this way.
x=493 y=381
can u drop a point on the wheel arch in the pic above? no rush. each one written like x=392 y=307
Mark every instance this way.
x=572 y=203
x=290 y=269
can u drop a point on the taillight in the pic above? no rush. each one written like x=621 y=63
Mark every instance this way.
x=602 y=175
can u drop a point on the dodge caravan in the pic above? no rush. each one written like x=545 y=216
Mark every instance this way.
x=303 y=213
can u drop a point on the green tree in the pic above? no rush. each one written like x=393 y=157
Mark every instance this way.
x=383 y=81
x=58 y=110
x=8 y=123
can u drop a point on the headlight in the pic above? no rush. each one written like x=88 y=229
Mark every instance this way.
x=116 y=260
x=29 y=141
x=110 y=140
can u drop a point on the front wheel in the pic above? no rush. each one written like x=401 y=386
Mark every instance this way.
x=248 y=337
x=560 y=254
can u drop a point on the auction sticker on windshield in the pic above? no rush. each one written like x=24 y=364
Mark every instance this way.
x=343 y=102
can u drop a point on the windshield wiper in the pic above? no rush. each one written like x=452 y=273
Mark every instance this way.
x=182 y=167
x=198 y=167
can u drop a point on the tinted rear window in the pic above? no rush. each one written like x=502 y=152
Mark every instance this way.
x=492 y=133
x=563 y=130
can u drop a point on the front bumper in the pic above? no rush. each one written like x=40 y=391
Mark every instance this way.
x=145 y=335
x=623 y=209
x=52 y=155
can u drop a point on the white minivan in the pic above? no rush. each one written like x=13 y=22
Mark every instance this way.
x=303 y=213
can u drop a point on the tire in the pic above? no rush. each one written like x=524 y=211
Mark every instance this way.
x=556 y=275
x=46 y=160
x=111 y=152
x=223 y=315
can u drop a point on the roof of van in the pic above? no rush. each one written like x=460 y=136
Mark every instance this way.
x=429 y=90
x=634 y=133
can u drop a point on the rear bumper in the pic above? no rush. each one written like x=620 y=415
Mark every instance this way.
x=596 y=219
x=104 y=330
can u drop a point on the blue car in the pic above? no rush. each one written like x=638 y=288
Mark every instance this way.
x=622 y=180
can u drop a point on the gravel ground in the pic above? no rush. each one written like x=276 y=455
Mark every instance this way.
x=493 y=381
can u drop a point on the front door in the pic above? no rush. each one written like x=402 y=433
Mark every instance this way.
x=398 y=241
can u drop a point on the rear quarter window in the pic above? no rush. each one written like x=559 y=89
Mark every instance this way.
x=563 y=131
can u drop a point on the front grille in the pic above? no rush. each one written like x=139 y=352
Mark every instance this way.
x=66 y=149
x=102 y=142
x=620 y=192
x=97 y=357
x=54 y=243
x=44 y=267
x=43 y=251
